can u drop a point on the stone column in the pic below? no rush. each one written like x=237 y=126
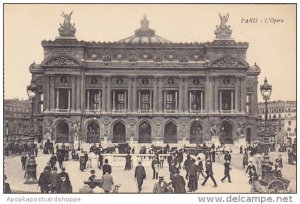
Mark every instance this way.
x=134 y=98
x=78 y=93
x=103 y=95
x=211 y=94
x=73 y=93
x=207 y=94
x=216 y=94
x=52 y=92
x=243 y=95
x=236 y=95
x=160 y=94
x=129 y=95
x=180 y=95
x=186 y=94
x=155 y=99
x=46 y=93
x=108 y=94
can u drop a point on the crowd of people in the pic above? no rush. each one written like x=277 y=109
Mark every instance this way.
x=197 y=166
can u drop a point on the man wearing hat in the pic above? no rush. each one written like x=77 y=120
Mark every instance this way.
x=106 y=167
x=44 y=180
x=209 y=173
x=161 y=186
x=54 y=181
x=226 y=171
x=65 y=185
x=64 y=173
x=139 y=175
x=178 y=183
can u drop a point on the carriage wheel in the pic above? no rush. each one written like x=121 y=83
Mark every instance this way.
x=276 y=185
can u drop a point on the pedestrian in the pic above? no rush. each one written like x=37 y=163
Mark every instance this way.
x=154 y=165
x=82 y=161
x=73 y=153
x=86 y=156
x=53 y=160
x=278 y=161
x=227 y=156
x=241 y=149
x=258 y=166
x=128 y=161
x=106 y=167
x=180 y=158
x=23 y=161
x=209 y=173
x=100 y=160
x=213 y=155
x=187 y=164
x=107 y=182
x=86 y=188
x=139 y=175
x=44 y=181
x=161 y=161
x=54 y=181
x=226 y=171
x=251 y=170
x=193 y=182
x=245 y=160
x=65 y=185
x=161 y=186
x=64 y=173
x=169 y=159
x=60 y=158
x=200 y=168
x=178 y=183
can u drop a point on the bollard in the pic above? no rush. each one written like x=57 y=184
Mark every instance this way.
x=31 y=171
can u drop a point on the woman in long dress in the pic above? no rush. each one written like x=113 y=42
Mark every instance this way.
x=82 y=161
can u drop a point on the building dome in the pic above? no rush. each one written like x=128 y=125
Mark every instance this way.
x=144 y=35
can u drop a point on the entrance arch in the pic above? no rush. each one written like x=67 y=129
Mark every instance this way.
x=93 y=132
x=119 y=133
x=62 y=132
x=170 y=133
x=196 y=133
x=145 y=133
x=226 y=133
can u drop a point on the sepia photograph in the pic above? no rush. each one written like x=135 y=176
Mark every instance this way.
x=149 y=99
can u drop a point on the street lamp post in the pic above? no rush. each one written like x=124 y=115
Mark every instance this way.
x=266 y=90
x=31 y=164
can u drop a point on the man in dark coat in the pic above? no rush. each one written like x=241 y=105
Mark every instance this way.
x=213 y=155
x=23 y=161
x=53 y=160
x=106 y=167
x=180 y=158
x=65 y=185
x=193 y=182
x=44 y=181
x=209 y=173
x=100 y=160
x=169 y=159
x=63 y=173
x=82 y=161
x=226 y=171
x=139 y=175
x=187 y=164
x=200 y=168
x=227 y=156
x=61 y=157
x=178 y=183
x=245 y=160
x=54 y=181
x=128 y=161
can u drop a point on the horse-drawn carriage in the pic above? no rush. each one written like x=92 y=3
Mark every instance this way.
x=275 y=183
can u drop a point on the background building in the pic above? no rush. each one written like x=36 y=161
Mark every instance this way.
x=17 y=115
x=146 y=89
x=283 y=113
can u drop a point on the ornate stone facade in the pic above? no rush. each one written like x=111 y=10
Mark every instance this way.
x=145 y=89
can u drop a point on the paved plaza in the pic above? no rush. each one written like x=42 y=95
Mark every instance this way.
x=126 y=178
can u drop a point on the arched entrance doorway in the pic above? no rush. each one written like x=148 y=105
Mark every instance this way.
x=226 y=133
x=145 y=133
x=93 y=132
x=170 y=133
x=119 y=133
x=62 y=132
x=196 y=134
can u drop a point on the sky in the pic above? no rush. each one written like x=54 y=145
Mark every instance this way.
x=272 y=45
